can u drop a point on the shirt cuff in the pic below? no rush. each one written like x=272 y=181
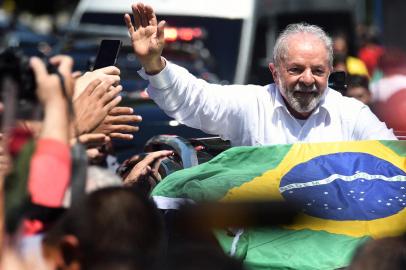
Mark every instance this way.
x=162 y=80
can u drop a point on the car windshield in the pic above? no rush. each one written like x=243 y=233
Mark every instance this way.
x=211 y=55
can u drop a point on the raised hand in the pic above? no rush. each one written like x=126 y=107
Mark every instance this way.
x=49 y=85
x=142 y=169
x=147 y=37
x=51 y=95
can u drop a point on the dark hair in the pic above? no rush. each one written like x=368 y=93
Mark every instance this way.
x=339 y=58
x=114 y=221
x=357 y=81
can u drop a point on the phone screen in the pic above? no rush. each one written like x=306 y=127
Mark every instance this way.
x=107 y=53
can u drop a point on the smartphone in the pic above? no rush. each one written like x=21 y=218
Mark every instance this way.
x=107 y=54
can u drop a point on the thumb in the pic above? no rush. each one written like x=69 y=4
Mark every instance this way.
x=160 y=31
x=39 y=68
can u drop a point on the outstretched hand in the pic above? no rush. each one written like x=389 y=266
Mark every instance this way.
x=145 y=169
x=119 y=123
x=147 y=37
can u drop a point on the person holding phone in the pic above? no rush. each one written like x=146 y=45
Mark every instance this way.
x=108 y=53
x=96 y=98
x=299 y=106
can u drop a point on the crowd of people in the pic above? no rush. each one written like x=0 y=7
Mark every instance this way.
x=61 y=213
x=375 y=76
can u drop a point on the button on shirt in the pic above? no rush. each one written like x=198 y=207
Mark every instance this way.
x=257 y=115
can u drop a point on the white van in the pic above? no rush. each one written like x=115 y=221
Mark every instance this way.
x=234 y=39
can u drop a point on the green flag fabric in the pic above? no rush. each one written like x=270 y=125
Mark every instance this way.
x=347 y=192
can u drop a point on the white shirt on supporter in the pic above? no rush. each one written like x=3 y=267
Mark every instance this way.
x=257 y=115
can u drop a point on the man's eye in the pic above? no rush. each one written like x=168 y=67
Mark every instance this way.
x=294 y=70
x=319 y=72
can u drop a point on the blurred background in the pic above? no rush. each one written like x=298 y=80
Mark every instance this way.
x=220 y=41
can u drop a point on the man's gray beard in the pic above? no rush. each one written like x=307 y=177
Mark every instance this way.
x=300 y=105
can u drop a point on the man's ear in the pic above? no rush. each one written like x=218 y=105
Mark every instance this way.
x=69 y=246
x=274 y=73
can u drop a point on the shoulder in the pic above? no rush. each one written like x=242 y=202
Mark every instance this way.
x=334 y=96
x=244 y=91
x=335 y=101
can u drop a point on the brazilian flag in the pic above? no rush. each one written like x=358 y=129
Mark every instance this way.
x=348 y=192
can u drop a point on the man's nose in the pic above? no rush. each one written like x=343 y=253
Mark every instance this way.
x=307 y=78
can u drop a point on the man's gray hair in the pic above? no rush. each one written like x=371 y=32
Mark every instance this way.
x=281 y=46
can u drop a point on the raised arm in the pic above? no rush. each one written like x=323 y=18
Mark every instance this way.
x=50 y=166
x=147 y=37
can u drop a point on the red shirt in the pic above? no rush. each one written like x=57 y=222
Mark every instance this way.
x=50 y=173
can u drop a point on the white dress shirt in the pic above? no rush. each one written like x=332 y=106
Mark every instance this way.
x=257 y=115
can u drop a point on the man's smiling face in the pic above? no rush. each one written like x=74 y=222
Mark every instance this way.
x=302 y=75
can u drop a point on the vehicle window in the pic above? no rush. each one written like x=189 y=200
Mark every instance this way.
x=213 y=55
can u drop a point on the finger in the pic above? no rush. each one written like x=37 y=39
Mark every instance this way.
x=76 y=74
x=150 y=15
x=113 y=103
x=39 y=68
x=110 y=70
x=101 y=91
x=114 y=78
x=160 y=31
x=123 y=119
x=137 y=16
x=64 y=63
x=123 y=128
x=93 y=153
x=146 y=171
x=153 y=156
x=93 y=138
x=90 y=88
x=121 y=111
x=144 y=20
x=128 y=22
x=116 y=88
x=136 y=174
x=133 y=160
x=121 y=136
x=156 y=164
